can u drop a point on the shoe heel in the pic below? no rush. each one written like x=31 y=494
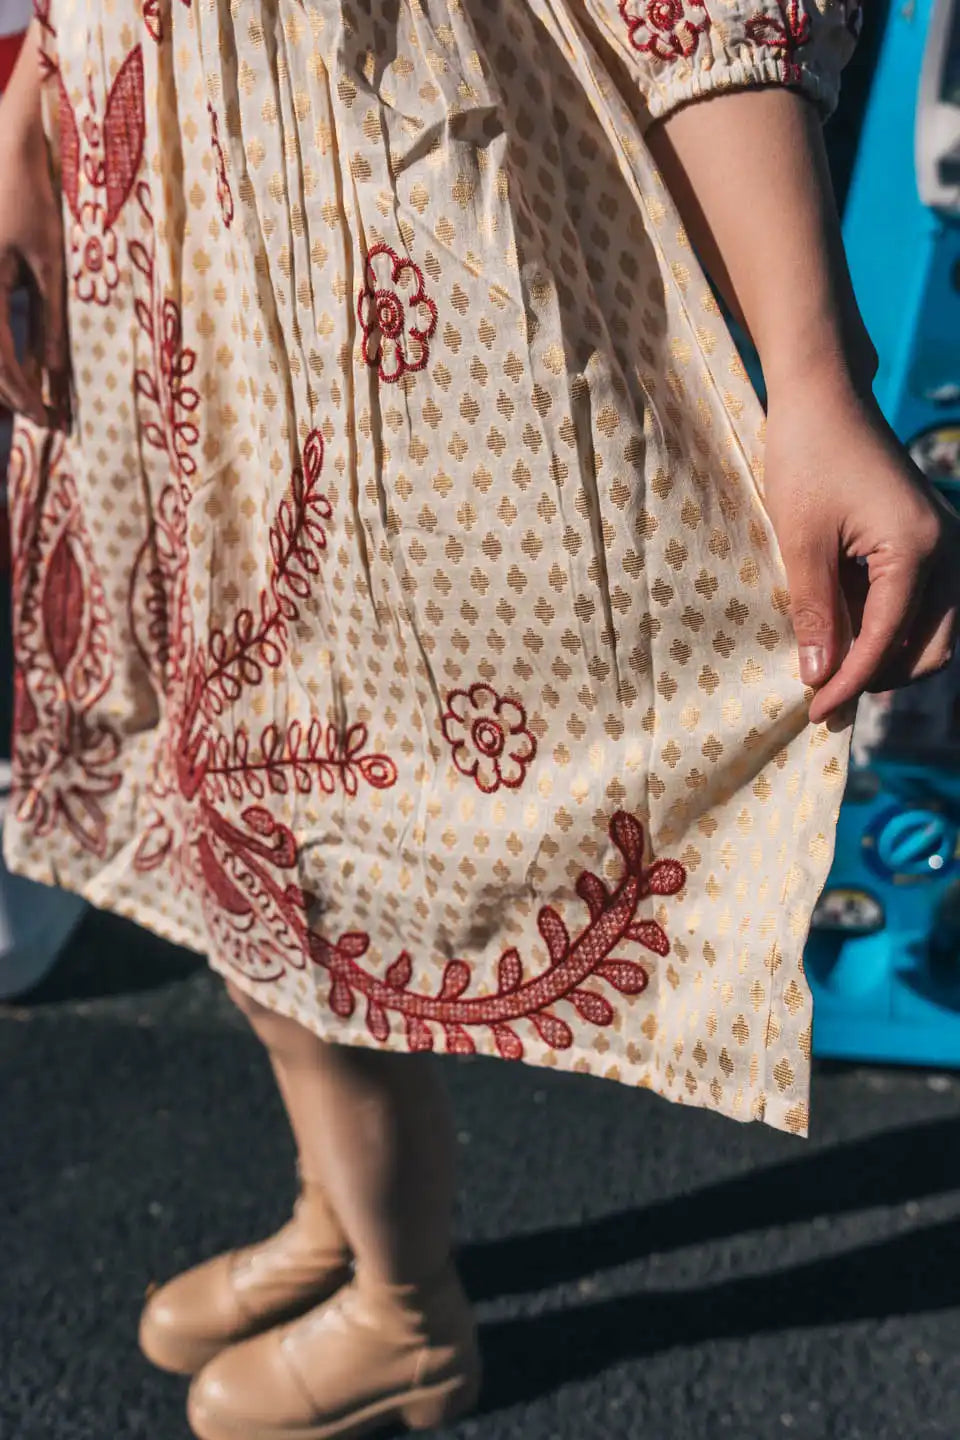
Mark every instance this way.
x=441 y=1405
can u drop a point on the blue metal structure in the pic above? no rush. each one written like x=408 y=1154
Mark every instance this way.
x=883 y=957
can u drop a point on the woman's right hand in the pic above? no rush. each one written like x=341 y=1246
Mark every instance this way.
x=31 y=253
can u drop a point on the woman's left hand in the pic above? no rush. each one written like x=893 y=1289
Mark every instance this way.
x=871 y=550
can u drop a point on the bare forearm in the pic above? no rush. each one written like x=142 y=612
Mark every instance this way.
x=20 y=116
x=749 y=175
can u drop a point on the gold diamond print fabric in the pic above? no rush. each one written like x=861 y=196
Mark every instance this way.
x=401 y=624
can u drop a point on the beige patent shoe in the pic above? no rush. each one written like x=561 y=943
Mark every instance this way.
x=194 y=1316
x=371 y=1356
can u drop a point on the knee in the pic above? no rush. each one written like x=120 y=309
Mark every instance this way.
x=252 y=1009
x=286 y=1039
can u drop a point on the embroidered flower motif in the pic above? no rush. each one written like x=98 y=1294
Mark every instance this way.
x=666 y=29
x=224 y=193
x=94 y=254
x=785 y=32
x=396 y=315
x=490 y=739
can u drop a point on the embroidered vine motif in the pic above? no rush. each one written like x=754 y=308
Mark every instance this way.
x=254 y=917
x=397 y=317
x=65 y=756
x=224 y=193
x=574 y=963
x=666 y=29
x=99 y=165
x=164 y=383
x=489 y=735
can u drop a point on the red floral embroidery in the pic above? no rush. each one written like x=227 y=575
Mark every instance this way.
x=396 y=315
x=93 y=248
x=105 y=159
x=666 y=29
x=786 y=33
x=490 y=739
x=573 y=964
x=255 y=918
x=224 y=193
x=65 y=755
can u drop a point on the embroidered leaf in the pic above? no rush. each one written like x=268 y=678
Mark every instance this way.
x=85 y=818
x=665 y=877
x=555 y=934
x=593 y=1007
x=625 y=976
x=377 y=1022
x=458 y=1041
x=69 y=149
x=649 y=933
x=399 y=973
x=592 y=889
x=341 y=998
x=510 y=974
x=259 y=820
x=63 y=604
x=123 y=131
x=419 y=1034
x=456 y=978
x=228 y=897
x=508 y=1042
x=627 y=834
x=553 y=1031
x=354 y=944
x=155 y=845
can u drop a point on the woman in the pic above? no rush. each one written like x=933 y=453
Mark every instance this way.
x=405 y=583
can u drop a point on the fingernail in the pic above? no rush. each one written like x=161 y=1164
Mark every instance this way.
x=813 y=663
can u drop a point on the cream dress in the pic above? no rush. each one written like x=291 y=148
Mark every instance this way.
x=401 y=624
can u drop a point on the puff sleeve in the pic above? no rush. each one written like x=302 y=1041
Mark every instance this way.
x=682 y=50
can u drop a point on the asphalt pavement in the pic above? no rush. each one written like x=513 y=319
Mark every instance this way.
x=642 y=1272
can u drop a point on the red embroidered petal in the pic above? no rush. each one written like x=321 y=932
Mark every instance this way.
x=399 y=974
x=510 y=973
x=377 y=1022
x=419 y=1034
x=592 y=890
x=341 y=998
x=553 y=1031
x=593 y=1007
x=649 y=933
x=625 y=976
x=63 y=604
x=123 y=133
x=456 y=978
x=627 y=834
x=508 y=1042
x=665 y=877
x=555 y=934
x=353 y=944
x=458 y=1041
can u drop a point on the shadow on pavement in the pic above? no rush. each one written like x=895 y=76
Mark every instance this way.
x=906 y=1275
x=885 y=1169
x=909 y=1274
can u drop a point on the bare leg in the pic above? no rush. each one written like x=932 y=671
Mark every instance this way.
x=376 y=1131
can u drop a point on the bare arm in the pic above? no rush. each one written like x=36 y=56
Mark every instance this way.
x=31 y=248
x=750 y=178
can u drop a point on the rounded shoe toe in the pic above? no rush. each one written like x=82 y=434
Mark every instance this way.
x=248 y=1392
x=188 y=1320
